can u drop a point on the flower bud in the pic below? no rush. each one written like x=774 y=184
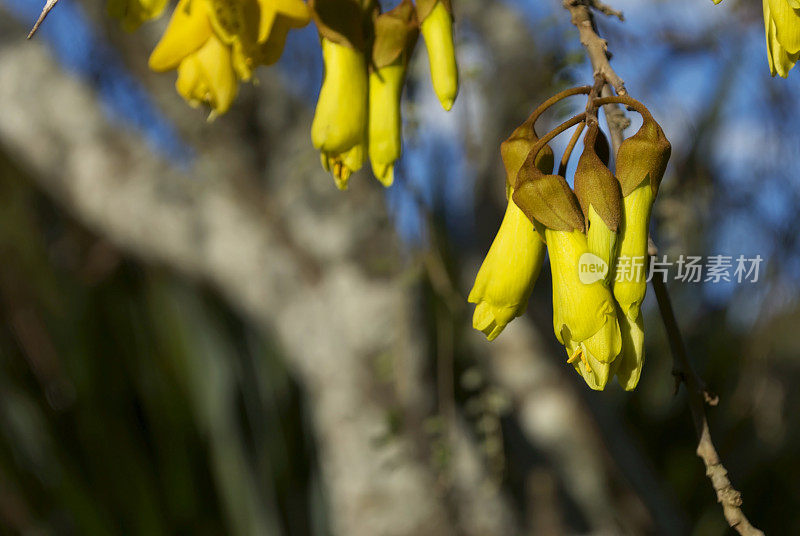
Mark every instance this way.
x=641 y=162
x=437 y=30
x=339 y=128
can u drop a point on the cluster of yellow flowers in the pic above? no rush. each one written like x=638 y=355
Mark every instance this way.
x=782 y=28
x=366 y=55
x=596 y=315
x=215 y=44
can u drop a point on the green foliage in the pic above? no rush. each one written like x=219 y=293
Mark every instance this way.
x=133 y=402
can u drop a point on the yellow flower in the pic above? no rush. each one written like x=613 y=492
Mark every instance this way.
x=508 y=273
x=204 y=61
x=437 y=30
x=385 y=123
x=133 y=13
x=339 y=127
x=641 y=162
x=628 y=366
x=279 y=16
x=207 y=77
x=630 y=280
x=396 y=34
x=599 y=194
x=584 y=317
x=782 y=28
x=214 y=44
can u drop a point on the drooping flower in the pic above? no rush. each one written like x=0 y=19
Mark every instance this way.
x=641 y=162
x=396 y=34
x=584 y=315
x=512 y=265
x=508 y=273
x=782 y=29
x=214 y=44
x=339 y=128
x=436 y=18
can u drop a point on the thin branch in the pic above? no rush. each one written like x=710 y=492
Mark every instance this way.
x=597 y=51
x=562 y=167
x=45 y=10
x=606 y=9
x=596 y=47
x=699 y=395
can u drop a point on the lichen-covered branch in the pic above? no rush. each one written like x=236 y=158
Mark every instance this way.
x=597 y=51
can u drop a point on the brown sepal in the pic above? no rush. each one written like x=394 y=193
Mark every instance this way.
x=396 y=32
x=424 y=8
x=602 y=148
x=643 y=155
x=547 y=199
x=514 y=151
x=595 y=185
x=343 y=21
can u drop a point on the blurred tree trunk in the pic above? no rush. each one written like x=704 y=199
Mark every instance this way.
x=295 y=270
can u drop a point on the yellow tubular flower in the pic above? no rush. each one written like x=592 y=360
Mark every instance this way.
x=508 y=273
x=385 y=123
x=601 y=241
x=510 y=269
x=339 y=127
x=628 y=366
x=641 y=162
x=207 y=77
x=396 y=33
x=630 y=280
x=782 y=29
x=599 y=194
x=584 y=317
x=437 y=30
x=133 y=13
